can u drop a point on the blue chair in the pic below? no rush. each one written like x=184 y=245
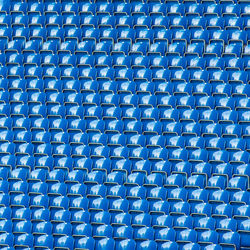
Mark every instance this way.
x=232 y=50
x=244 y=232
x=168 y=245
x=155 y=193
x=226 y=225
x=84 y=47
x=44 y=162
x=83 y=229
x=201 y=210
x=18 y=187
x=105 y=243
x=157 y=9
x=86 y=242
x=53 y=20
x=55 y=176
x=204 y=224
x=106 y=36
x=76 y=190
x=52 y=8
x=195 y=22
x=177 y=194
x=183 y=222
x=39 y=202
x=174 y=181
x=162 y=220
x=71 y=21
x=62 y=229
x=139 y=48
x=239 y=198
x=87 y=8
x=177 y=22
x=139 y=9
x=186 y=236
x=180 y=208
x=224 y=103
x=124 y=21
x=64 y=242
x=230 y=239
x=175 y=9
x=121 y=219
x=44 y=241
x=69 y=8
x=78 y=205
x=239 y=157
x=7 y=240
x=22 y=227
x=121 y=48
x=144 y=233
x=147 y=244
x=233 y=23
x=57 y=189
x=5 y=20
x=185 y=102
x=125 y=244
x=122 y=8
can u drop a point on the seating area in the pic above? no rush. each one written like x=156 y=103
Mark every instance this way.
x=125 y=125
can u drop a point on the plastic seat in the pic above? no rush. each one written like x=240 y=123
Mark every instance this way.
x=230 y=239
x=240 y=214
x=177 y=22
x=244 y=231
x=204 y=224
x=201 y=210
x=207 y=237
x=123 y=74
x=185 y=102
x=232 y=50
x=87 y=8
x=52 y=8
x=64 y=242
x=215 y=23
x=121 y=48
x=138 y=48
x=187 y=236
x=88 y=21
x=175 y=9
x=5 y=123
x=80 y=230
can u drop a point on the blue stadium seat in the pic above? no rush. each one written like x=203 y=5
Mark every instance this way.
x=124 y=125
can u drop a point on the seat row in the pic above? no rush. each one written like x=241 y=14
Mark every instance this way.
x=147 y=114
x=195 y=190
x=88 y=223
x=137 y=153
x=129 y=35
x=122 y=142
x=202 y=215
x=139 y=210
x=130 y=124
x=202 y=97
x=193 y=21
x=129 y=127
x=68 y=242
x=151 y=8
x=129 y=61
x=110 y=74
x=119 y=233
x=128 y=88
x=38 y=165
x=160 y=47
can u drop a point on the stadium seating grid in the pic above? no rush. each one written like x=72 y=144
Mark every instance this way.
x=125 y=125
